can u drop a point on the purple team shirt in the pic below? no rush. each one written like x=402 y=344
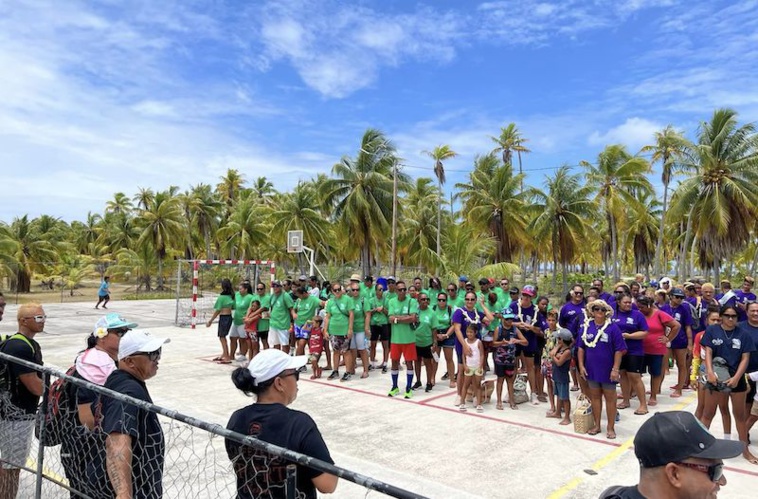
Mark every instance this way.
x=683 y=316
x=568 y=312
x=528 y=315
x=743 y=298
x=631 y=322
x=465 y=317
x=599 y=360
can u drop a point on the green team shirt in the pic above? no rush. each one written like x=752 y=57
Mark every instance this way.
x=379 y=318
x=402 y=334
x=223 y=301
x=390 y=295
x=367 y=292
x=497 y=308
x=359 y=307
x=444 y=318
x=241 y=304
x=306 y=309
x=280 y=310
x=427 y=324
x=265 y=301
x=338 y=310
x=456 y=302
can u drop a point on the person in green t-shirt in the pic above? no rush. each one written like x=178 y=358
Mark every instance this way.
x=380 y=327
x=305 y=309
x=454 y=297
x=368 y=290
x=338 y=329
x=262 y=314
x=223 y=310
x=391 y=288
x=402 y=311
x=281 y=305
x=242 y=300
x=445 y=335
x=426 y=341
x=360 y=327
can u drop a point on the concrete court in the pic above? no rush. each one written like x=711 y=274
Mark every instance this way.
x=424 y=445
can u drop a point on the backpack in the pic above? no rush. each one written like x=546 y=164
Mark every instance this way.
x=5 y=376
x=57 y=419
x=696 y=312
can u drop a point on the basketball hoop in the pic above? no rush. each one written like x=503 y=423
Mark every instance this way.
x=294 y=241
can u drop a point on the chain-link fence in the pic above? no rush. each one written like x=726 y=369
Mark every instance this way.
x=167 y=454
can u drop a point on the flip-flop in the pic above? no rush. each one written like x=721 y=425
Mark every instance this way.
x=499 y=406
x=224 y=362
x=640 y=413
x=622 y=406
x=217 y=359
x=675 y=395
x=652 y=403
x=611 y=435
x=574 y=388
x=593 y=431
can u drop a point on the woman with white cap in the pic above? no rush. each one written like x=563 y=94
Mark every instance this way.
x=272 y=378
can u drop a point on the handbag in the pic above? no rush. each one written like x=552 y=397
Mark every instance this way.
x=520 y=395
x=583 y=420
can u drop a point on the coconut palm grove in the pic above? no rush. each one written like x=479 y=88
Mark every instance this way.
x=602 y=217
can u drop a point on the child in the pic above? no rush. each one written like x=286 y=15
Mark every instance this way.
x=506 y=341
x=547 y=362
x=251 y=328
x=473 y=367
x=315 y=344
x=561 y=358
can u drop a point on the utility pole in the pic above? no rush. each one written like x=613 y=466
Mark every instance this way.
x=394 y=218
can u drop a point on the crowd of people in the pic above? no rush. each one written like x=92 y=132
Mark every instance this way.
x=600 y=341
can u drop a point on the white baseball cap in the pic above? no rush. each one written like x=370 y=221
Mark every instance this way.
x=139 y=340
x=271 y=362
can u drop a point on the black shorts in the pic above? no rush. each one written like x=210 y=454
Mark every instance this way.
x=501 y=370
x=633 y=363
x=424 y=352
x=532 y=354
x=750 y=392
x=380 y=332
x=263 y=335
x=224 y=325
x=654 y=364
x=741 y=385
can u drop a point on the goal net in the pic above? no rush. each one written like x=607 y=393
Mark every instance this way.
x=199 y=283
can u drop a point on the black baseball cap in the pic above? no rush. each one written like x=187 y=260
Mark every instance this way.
x=670 y=437
x=678 y=293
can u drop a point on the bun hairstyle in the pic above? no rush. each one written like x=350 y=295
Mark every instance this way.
x=245 y=382
x=91 y=341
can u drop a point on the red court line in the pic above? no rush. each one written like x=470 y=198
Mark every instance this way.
x=744 y=472
x=426 y=401
x=456 y=411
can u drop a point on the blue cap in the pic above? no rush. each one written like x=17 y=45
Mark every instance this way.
x=507 y=314
x=463 y=278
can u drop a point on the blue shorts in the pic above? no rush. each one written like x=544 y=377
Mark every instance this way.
x=561 y=390
x=358 y=341
x=653 y=364
x=301 y=333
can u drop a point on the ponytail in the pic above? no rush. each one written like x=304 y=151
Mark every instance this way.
x=91 y=341
x=245 y=382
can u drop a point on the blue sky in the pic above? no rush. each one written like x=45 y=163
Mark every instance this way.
x=106 y=96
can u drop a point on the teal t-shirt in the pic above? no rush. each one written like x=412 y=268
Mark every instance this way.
x=223 y=301
x=281 y=305
x=306 y=309
x=339 y=311
x=359 y=307
x=427 y=324
x=402 y=333
x=241 y=304
x=378 y=318
x=265 y=301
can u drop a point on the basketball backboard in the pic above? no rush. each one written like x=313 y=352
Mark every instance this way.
x=294 y=241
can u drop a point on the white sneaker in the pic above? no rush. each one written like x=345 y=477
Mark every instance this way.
x=457 y=400
x=534 y=400
x=240 y=358
x=462 y=408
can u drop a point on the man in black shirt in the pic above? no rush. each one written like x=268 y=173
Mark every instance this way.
x=134 y=446
x=678 y=459
x=18 y=407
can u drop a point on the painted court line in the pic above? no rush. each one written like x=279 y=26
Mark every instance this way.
x=473 y=414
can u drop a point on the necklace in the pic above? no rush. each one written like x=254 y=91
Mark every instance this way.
x=729 y=336
x=520 y=315
x=475 y=320
x=598 y=335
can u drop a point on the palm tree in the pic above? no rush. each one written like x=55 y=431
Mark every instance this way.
x=230 y=186
x=298 y=210
x=31 y=251
x=508 y=142
x=617 y=178
x=669 y=148
x=439 y=154
x=721 y=196
x=161 y=229
x=144 y=198
x=563 y=215
x=263 y=189
x=361 y=192
x=642 y=230
x=119 y=204
x=417 y=231
x=86 y=232
x=204 y=210
x=244 y=230
x=493 y=202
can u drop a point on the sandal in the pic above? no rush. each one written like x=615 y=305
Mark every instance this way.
x=652 y=403
x=217 y=359
x=610 y=435
x=622 y=406
x=640 y=413
x=224 y=362
x=499 y=406
x=514 y=407
x=574 y=388
x=594 y=431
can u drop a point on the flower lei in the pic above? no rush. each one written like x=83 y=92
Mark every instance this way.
x=473 y=321
x=593 y=343
x=520 y=315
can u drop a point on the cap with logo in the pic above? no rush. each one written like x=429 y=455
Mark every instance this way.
x=139 y=340
x=391 y=278
x=529 y=291
x=513 y=291
x=507 y=314
x=670 y=437
x=271 y=363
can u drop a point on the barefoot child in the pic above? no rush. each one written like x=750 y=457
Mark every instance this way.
x=473 y=368
x=315 y=345
x=506 y=342
x=251 y=327
x=561 y=358
x=547 y=362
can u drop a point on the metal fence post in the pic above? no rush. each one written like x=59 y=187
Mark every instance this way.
x=41 y=432
x=290 y=487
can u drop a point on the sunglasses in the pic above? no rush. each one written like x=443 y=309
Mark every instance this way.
x=514 y=293
x=153 y=356
x=452 y=290
x=729 y=316
x=401 y=290
x=260 y=289
x=354 y=289
x=597 y=309
x=37 y=318
x=469 y=299
x=295 y=373
x=336 y=290
x=423 y=299
x=441 y=299
x=714 y=471
x=276 y=286
x=578 y=293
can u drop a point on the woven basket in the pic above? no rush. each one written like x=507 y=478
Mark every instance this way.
x=583 y=420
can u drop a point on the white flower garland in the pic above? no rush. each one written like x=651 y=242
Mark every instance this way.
x=520 y=315
x=593 y=343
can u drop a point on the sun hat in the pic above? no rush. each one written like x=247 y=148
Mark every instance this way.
x=599 y=303
x=111 y=321
x=672 y=436
x=665 y=280
x=139 y=340
x=271 y=362
x=355 y=277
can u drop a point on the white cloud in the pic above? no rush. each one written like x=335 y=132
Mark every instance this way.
x=634 y=133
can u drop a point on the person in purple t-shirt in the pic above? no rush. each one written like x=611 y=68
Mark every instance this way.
x=603 y=295
x=633 y=328
x=744 y=296
x=526 y=320
x=601 y=347
x=462 y=318
x=680 y=346
x=572 y=307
